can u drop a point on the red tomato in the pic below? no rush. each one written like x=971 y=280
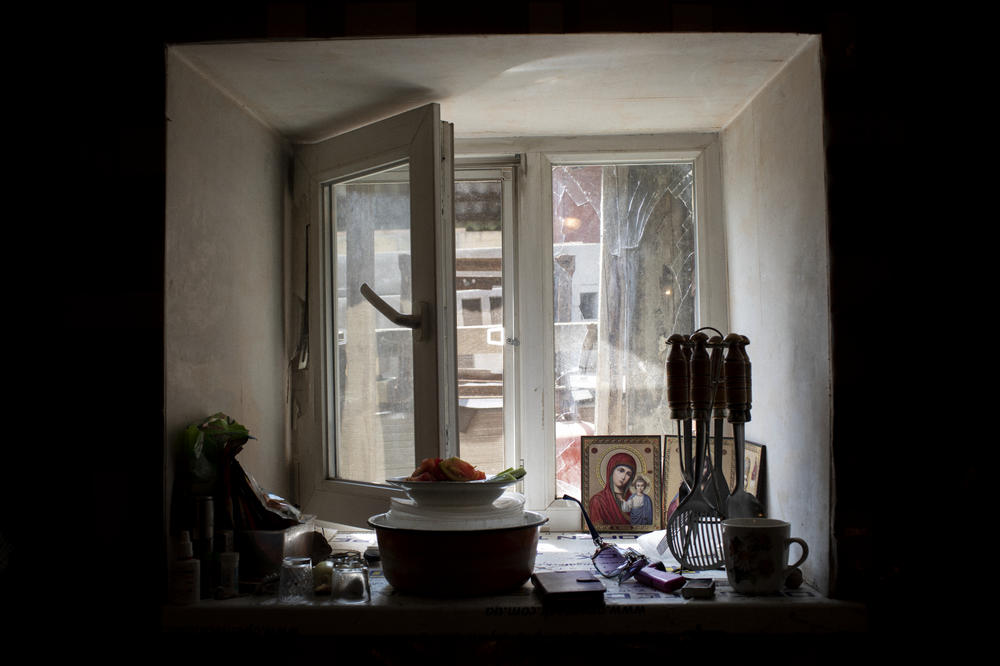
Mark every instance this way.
x=427 y=470
x=452 y=469
x=438 y=473
x=457 y=469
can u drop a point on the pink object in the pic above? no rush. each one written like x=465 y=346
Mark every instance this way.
x=659 y=579
x=568 y=435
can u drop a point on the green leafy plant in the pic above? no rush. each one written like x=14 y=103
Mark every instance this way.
x=205 y=444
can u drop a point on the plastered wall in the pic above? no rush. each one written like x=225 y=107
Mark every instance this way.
x=223 y=337
x=776 y=227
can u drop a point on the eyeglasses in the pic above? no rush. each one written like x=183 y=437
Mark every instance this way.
x=612 y=561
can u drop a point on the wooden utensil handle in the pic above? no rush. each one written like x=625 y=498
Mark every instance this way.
x=744 y=341
x=701 y=378
x=718 y=380
x=735 y=369
x=678 y=379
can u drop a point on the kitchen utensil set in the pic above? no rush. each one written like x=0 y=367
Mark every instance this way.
x=702 y=388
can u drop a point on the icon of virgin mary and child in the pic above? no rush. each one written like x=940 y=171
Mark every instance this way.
x=623 y=501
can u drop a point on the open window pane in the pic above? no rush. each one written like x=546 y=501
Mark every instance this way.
x=479 y=314
x=624 y=276
x=377 y=393
x=374 y=436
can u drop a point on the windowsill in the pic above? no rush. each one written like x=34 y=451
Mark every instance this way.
x=630 y=608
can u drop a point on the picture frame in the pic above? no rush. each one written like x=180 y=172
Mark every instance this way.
x=754 y=470
x=616 y=500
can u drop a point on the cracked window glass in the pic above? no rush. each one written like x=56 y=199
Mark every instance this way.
x=624 y=281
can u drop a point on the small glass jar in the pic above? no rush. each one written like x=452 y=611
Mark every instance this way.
x=350 y=581
x=295 y=584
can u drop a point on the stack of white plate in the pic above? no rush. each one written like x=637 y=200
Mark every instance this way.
x=505 y=511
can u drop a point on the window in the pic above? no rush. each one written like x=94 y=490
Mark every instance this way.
x=368 y=218
x=375 y=201
x=570 y=271
x=484 y=225
x=578 y=194
x=624 y=266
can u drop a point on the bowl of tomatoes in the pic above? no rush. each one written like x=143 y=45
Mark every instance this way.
x=457 y=534
x=454 y=482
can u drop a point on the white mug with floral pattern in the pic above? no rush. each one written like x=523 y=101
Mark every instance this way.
x=757 y=554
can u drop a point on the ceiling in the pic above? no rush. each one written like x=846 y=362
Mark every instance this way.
x=500 y=85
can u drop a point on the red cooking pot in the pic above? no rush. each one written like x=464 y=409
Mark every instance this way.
x=454 y=563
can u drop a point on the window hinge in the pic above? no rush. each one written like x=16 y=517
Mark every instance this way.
x=513 y=342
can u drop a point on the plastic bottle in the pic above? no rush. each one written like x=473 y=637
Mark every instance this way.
x=185 y=578
x=229 y=577
x=225 y=566
x=202 y=543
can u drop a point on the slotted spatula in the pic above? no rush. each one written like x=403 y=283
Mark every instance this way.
x=694 y=531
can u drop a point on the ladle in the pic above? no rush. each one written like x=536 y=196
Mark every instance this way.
x=740 y=504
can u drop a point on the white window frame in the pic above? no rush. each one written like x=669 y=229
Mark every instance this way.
x=503 y=169
x=530 y=426
x=535 y=416
x=420 y=138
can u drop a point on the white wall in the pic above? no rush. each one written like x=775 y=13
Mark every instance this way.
x=223 y=337
x=776 y=228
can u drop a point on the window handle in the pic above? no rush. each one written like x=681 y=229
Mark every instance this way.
x=420 y=323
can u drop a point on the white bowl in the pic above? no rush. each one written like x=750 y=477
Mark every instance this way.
x=452 y=493
x=506 y=511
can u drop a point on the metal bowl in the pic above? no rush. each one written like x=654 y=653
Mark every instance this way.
x=458 y=563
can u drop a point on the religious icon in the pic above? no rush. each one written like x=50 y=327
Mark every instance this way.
x=621 y=481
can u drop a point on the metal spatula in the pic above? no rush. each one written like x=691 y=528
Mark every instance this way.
x=679 y=403
x=720 y=486
x=694 y=531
